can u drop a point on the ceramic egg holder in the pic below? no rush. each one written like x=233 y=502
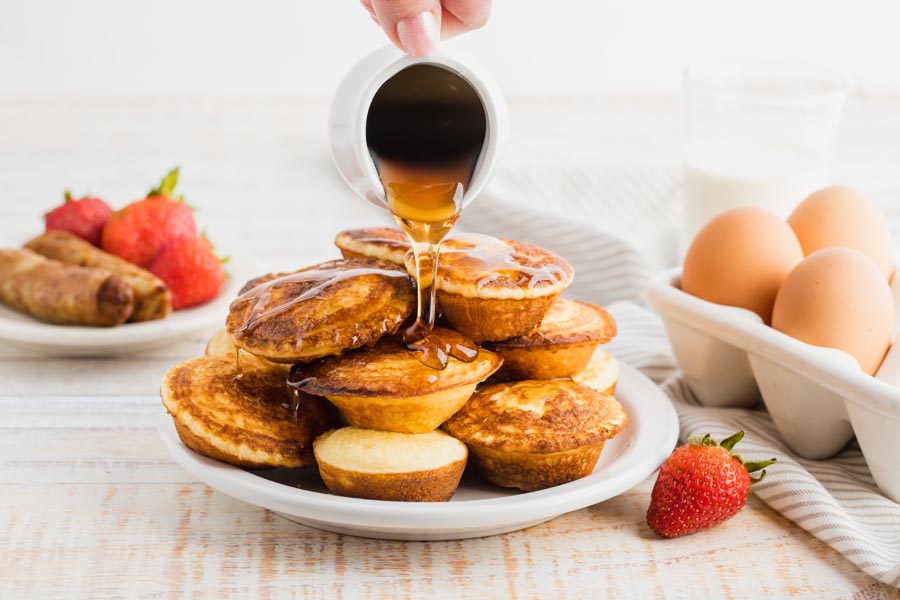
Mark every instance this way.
x=818 y=397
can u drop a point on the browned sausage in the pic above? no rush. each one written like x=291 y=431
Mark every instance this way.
x=61 y=293
x=152 y=299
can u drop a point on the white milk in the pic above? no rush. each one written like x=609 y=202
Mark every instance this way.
x=723 y=174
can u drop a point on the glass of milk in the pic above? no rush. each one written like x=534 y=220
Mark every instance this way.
x=758 y=133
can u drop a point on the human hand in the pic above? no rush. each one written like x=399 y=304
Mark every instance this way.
x=417 y=26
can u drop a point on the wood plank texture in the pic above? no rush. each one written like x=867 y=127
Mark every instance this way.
x=102 y=512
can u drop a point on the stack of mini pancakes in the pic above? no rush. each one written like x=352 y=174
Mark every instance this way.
x=309 y=371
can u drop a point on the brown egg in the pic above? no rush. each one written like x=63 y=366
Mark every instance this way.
x=740 y=259
x=838 y=298
x=840 y=216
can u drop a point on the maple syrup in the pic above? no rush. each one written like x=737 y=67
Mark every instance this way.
x=503 y=260
x=425 y=130
x=434 y=348
x=309 y=283
x=295 y=400
x=238 y=369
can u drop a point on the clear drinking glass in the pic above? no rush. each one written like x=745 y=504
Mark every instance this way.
x=758 y=133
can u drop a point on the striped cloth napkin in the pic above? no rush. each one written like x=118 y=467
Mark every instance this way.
x=617 y=226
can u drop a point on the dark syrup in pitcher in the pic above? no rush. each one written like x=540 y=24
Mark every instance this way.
x=425 y=130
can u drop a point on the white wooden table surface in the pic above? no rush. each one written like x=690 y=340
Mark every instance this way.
x=90 y=504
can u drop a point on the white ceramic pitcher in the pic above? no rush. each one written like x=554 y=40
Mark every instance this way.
x=350 y=108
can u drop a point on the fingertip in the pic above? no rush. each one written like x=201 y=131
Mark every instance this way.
x=419 y=35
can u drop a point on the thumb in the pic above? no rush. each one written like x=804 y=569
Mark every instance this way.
x=413 y=25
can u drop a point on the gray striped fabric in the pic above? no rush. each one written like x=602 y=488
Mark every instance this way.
x=616 y=226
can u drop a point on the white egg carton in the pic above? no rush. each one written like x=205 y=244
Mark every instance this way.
x=818 y=397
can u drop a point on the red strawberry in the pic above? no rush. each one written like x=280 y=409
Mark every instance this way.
x=84 y=217
x=700 y=485
x=191 y=269
x=137 y=232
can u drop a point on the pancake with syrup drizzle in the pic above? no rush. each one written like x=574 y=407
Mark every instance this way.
x=536 y=434
x=384 y=243
x=561 y=346
x=492 y=289
x=488 y=289
x=254 y=420
x=321 y=310
x=386 y=387
x=474 y=264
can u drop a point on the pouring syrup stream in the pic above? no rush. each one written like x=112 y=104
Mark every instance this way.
x=425 y=130
x=425 y=203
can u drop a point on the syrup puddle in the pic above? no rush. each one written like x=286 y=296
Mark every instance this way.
x=434 y=349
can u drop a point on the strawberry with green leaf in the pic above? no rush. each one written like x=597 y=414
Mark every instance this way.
x=700 y=485
x=138 y=231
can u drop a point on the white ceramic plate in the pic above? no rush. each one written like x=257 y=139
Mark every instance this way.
x=31 y=335
x=477 y=509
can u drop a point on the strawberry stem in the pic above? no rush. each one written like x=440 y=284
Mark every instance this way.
x=729 y=442
x=755 y=480
x=756 y=466
x=68 y=195
x=701 y=440
x=166 y=187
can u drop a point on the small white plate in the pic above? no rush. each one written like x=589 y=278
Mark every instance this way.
x=477 y=509
x=29 y=334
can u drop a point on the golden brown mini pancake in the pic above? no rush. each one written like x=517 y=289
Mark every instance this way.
x=385 y=387
x=251 y=421
x=381 y=465
x=487 y=288
x=536 y=434
x=491 y=289
x=221 y=344
x=561 y=346
x=384 y=243
x=601 y=373
x=321 y=310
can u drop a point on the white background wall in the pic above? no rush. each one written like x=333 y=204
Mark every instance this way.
x=95 y=48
